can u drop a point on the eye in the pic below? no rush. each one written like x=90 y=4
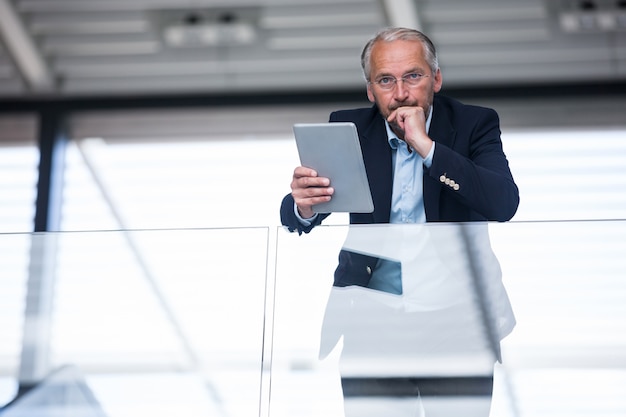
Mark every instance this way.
x=386 y=80
x=414 y=76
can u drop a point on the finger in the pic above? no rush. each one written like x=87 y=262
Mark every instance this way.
x=309 y=186
x=311 y=196
x=302 y=171
x=396 y=124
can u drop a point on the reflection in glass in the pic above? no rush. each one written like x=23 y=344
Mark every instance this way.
x=427 y=343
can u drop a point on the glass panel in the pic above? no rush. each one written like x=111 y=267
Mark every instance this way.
x=157 y=323
x=567 y=283
x=367 y=350
x=183 y=322
x=14 y=256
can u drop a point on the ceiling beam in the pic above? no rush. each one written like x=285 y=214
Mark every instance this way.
x=22 y=48
x=402 y=13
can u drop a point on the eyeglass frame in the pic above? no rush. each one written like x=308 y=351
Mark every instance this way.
x=404 y=79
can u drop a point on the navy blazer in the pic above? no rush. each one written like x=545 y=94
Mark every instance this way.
x=469 y=179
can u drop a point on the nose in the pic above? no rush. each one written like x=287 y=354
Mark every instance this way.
x=400 y=92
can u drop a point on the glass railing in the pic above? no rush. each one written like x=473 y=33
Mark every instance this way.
x=502 y=319
x=145 y=323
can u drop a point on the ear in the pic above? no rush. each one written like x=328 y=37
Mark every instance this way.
x=370 y=94
x=438 y=81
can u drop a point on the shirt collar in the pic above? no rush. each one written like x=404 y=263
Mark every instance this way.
x=393 y=139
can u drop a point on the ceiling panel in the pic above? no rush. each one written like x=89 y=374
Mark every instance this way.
x=99 y=47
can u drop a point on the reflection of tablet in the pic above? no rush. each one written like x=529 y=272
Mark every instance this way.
x=333 y=150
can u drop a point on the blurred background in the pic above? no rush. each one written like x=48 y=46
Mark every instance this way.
x=97 y=47
x=175 y=115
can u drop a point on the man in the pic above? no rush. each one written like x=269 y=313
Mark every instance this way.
x=427 y=157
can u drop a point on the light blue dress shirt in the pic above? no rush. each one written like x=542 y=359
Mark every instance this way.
x=407 y=200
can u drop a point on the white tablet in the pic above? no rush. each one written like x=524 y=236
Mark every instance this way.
x=333 y=150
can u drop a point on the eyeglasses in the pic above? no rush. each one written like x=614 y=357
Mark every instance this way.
x=410 y=80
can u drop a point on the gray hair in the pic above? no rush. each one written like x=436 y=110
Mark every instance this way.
x=398 y=33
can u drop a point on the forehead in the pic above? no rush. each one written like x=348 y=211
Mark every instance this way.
x=397 y=56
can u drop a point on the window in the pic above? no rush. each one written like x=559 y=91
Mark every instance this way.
x=18 y=173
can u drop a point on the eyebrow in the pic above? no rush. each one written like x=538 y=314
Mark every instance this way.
x=411 y=71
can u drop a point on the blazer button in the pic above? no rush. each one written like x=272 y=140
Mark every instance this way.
x=442 y=178
x=456 y=187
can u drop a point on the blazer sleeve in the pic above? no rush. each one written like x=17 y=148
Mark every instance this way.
x=289 y=219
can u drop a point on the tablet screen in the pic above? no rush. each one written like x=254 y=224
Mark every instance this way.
x=333 y=150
